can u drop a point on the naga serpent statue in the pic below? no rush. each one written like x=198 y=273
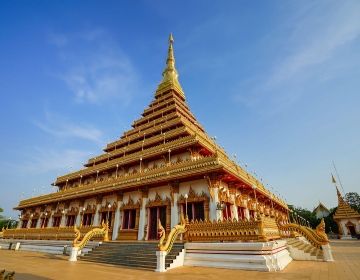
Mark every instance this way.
x=316 y=237
x=176 y=230
x=103 y=231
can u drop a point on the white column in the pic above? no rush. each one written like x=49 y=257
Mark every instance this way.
x=160 y=256
x=116 y=221
x=78 y=219
x=142 y=219
x=214 y=213
x=96 y=221
x=51 y=218
x=234 y=212
x=175 y=211
x=247 y=213
x=63 y=220
x=38 y=223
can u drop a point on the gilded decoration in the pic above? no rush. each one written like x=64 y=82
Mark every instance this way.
x=224 y=196
x=158 y=201
x=45 y=214
x=261 y=230
x=106 y=208
x=58 y=212
x=316 y=237
x=212 y=183
x=193 y=197
x=95 y=232
x=174 y=188
x=72 y=211
x=130 y=205
x=240 y=201
x=90 y=209
x=174 y=233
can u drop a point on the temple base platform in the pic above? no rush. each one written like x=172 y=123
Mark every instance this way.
x=259 y=256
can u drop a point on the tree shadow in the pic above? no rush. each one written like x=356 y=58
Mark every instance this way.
x=28 y=276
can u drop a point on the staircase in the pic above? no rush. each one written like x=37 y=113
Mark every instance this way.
x=140 y=255
x=301 y=250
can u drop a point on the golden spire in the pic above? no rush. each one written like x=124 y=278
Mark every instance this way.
x=170 y=75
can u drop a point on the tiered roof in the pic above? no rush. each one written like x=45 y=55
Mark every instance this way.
x=166 y=126
x=344 y=210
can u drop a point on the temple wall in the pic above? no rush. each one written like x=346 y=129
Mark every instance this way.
x=344 y=228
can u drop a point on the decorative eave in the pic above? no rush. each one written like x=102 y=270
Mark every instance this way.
x=152 y=152
x=164 y=174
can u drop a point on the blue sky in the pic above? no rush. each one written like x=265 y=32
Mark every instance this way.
x=276 y=81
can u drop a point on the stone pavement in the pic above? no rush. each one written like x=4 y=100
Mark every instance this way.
x=29 y=265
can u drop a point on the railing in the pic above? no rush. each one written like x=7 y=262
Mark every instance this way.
x=264 y=229
x=316 y=237
x=50 y=233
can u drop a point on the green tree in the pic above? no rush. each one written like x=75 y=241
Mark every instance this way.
x=330 y=224
x=353 y=198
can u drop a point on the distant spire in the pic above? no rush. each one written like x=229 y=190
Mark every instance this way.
x=170 y=75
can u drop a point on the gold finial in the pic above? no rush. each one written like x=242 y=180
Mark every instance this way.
x=171 y=38
x=170 y=75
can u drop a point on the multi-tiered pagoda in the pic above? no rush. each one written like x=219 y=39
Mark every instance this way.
x=164 y=166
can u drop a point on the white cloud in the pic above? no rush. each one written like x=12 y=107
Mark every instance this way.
x=58 y=127
x=96 y=68
x=42 y=161
x=317 y=34
x=58 y=40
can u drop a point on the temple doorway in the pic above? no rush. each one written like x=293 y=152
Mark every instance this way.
x=351 y=229
x=156 y=213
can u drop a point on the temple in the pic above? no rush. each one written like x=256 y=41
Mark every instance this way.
x=347 y=218
x=164 y=166
x=321 y=211
x=165 y=179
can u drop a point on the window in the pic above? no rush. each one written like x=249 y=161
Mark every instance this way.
x=107 y=217
x=227 y=212
x=44 y=222
x=195 y=211
x=87 y=219
x=24 y=224
x=129 y=219
x=56 y=221
x=33 y=223
x=241 y=213
x=70 y=221
x=252 y=214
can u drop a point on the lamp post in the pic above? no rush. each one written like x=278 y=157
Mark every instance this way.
x=83 y=216
x=186 y=197
x=107 y=218
x=117 y=167
x=97 y=175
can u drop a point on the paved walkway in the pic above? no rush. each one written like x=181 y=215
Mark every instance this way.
x=30 y=266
